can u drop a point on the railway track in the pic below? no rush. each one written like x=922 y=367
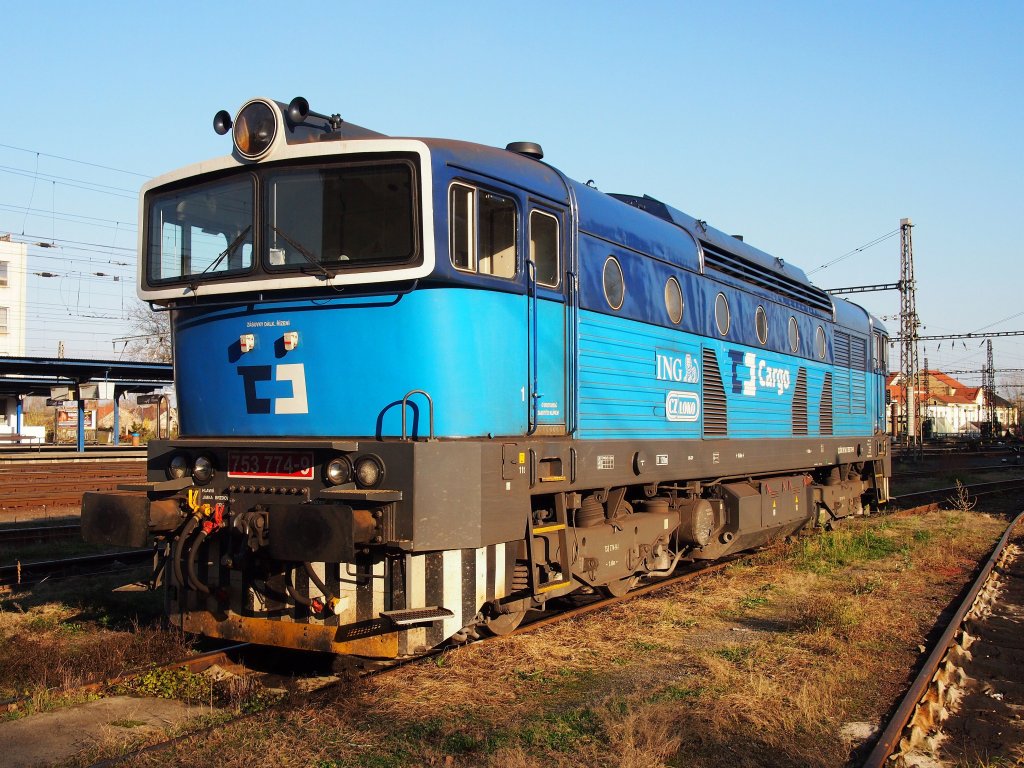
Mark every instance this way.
x=26 y=575
x=949 y=470
x=61 y=483
x=963 y=673
x=37 y=533
x=974 y=490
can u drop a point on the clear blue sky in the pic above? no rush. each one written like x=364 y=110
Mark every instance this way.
x=811 y=128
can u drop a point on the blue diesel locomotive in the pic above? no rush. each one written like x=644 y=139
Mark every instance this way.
x=427 y=385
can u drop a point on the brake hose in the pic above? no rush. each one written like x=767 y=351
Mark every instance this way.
x=193 y=575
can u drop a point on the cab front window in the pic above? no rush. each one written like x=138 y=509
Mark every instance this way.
x=340 y=218
x=206 y=230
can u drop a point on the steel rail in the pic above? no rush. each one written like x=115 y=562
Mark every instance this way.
x=38 y=533
x=977 y=489
x=929 y=472
x=21 y=575
x=890 y=737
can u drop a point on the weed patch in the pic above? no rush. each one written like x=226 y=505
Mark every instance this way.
x=563 y=731
x=735 y=654
x=843 y=548
x=240 y=693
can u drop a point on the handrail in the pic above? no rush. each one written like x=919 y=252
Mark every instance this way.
x=430 y=402
x=532 y=362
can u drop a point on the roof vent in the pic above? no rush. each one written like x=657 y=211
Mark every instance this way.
x=526 y=148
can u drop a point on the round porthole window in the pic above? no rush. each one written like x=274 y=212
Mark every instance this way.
x=761 y=325
x=819 y=342
x=794 y=336
x=614 y=286
x=674 y=300
x=722 y=318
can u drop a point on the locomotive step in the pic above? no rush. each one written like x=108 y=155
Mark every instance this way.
x=409 y=616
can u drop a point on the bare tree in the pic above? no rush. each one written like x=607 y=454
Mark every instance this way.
x=151 y=334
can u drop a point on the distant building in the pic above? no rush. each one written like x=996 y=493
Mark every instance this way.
x=13 y=268
x=948 y=407
x=13 y=274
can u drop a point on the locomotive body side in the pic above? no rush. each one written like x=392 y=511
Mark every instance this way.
x=466 y=413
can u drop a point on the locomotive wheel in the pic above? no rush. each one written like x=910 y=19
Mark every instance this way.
x=504 y=623
x=622 y=586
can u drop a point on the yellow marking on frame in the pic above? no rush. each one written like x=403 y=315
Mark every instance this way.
x=549 y=587
x=549 y=528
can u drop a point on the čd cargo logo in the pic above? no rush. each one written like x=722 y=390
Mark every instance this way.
x=750 y=374
x=277 y=397
x=682 y=406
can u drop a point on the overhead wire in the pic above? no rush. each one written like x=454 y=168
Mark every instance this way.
x=74 y=183
x=73 y=160
x=876 y=241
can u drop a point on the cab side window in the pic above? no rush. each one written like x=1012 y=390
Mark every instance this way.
x=483 y=231
x=544 y=247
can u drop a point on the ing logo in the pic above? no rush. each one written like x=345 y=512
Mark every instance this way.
x=278 y=397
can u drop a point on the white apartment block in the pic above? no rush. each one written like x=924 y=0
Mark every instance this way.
x=13 y=279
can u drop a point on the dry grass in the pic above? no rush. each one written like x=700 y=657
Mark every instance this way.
x=759 y=665
x=57 y=638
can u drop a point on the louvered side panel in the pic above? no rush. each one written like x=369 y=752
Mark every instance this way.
x=716 y=412
x=800 y=403
x=858 y=378
x=842 y=372
x=825 y=409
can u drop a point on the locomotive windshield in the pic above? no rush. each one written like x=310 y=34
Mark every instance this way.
x=322 y=220
x=339 y=217
x=206 y=230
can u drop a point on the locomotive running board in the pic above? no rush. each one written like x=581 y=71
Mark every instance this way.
x=409 y=616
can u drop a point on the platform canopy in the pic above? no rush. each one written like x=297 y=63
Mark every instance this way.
x=46 y=375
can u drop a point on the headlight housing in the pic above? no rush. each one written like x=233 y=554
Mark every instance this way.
x=202 y=471
x=178 y=467
x=338 y=471
x=254 y=129
x=369 y=471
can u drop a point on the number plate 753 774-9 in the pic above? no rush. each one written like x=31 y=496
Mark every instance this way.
x=284 y=465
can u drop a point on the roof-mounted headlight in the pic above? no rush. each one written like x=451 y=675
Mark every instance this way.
x=254 y=129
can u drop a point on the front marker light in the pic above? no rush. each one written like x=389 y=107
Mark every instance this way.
x=202 y=472
x=369 y=471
